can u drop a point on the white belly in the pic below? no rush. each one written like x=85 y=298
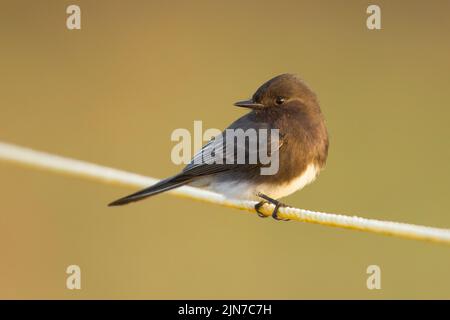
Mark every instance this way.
x=244 y=190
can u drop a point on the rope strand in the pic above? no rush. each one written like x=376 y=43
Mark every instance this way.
x=58 y=164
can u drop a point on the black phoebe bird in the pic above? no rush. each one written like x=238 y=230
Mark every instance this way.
x=285 y=103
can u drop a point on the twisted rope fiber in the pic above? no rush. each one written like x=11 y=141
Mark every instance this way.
x=42 y=160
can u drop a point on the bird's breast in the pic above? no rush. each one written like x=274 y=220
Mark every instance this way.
x=283 y=189
x=248 y=189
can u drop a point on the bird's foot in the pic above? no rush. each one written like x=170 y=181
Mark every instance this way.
x=258 y=206
x=268 y=199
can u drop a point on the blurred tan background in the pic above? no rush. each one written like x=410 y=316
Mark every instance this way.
x=113 y=92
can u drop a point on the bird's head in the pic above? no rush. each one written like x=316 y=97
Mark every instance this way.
x=283 y=91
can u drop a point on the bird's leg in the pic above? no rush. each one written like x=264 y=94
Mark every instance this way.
x=258 y=206
x=277 y=204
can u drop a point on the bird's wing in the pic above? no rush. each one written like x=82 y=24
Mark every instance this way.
x=218 y=156
x=213 y=158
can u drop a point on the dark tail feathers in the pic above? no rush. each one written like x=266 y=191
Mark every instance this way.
x=161 y=186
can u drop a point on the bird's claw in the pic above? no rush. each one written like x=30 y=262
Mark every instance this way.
x=278 y=205
x=258 y=206
x=267 y=199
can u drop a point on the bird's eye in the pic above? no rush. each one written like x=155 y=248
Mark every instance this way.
x=279 y=100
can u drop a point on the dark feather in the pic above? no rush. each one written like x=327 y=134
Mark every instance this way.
x=161 y=186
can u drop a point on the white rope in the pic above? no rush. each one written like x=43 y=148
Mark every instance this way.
x=41 y=160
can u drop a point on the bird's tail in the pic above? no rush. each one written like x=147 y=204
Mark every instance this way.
x=161 y=186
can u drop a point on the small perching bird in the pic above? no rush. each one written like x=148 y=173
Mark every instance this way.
x=285 y=105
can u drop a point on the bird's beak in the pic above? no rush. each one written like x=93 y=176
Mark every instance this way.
x=249 y=104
